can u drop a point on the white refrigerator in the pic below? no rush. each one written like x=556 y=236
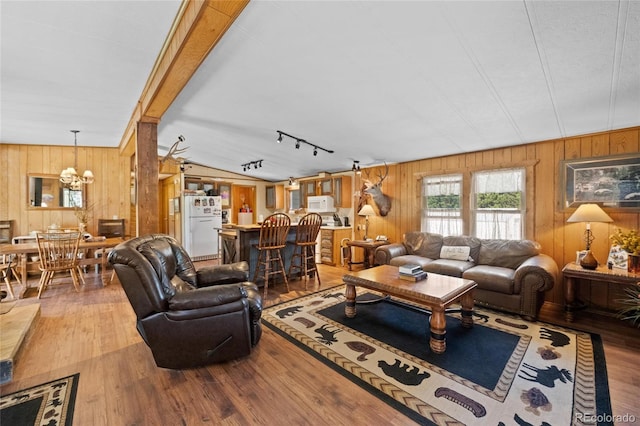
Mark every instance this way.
x=201 y=224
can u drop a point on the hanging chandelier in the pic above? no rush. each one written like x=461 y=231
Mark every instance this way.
x=69 y=177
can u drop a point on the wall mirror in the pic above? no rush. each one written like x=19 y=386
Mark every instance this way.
x=46 y=191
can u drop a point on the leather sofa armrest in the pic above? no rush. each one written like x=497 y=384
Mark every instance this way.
x=222 y=274
x=384 y=254
x=207 y=297
x=538 y=273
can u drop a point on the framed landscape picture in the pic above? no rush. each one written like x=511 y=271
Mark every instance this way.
x=612 y=181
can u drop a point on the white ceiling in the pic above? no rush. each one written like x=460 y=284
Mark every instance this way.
x=372 y=80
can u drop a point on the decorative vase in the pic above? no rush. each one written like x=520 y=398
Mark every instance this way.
x=589 y=261
x=633 y=263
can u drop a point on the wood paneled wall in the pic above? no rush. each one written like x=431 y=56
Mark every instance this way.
x=109 y=195
x=558 y=238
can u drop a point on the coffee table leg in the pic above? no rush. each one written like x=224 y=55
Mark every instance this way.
x=467 y=310
x=438 y=324
x=350 y=304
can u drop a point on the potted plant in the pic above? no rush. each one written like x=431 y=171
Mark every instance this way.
x=631 y=304
x=629 y=242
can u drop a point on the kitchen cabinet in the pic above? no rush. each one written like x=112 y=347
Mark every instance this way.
x=326 y=186
x=195 y=183
x=295 y=199
x=330 y=249
x=307 y=188
x=310 y=188
x=341 y=191
x=274 y=197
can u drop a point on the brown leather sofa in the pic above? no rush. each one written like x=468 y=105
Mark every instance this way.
x=187 y=317
x=512 y=275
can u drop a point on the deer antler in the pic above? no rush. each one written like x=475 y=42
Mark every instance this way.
x=174 y=150
x=386 y=172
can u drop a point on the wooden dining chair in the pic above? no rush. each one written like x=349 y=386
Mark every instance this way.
x=58 y=252
x=7 y=272
x=305 y=246
x=273 y=238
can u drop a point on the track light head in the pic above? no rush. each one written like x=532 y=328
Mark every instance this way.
x=315 y=151
x=279 y=140
x=297 y=144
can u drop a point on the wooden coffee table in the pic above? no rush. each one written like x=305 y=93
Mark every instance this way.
x=436 y=292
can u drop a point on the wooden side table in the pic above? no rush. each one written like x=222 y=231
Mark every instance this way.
x=573 y=272
x=369 y=251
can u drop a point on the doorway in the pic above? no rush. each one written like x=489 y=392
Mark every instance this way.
x=243 y=195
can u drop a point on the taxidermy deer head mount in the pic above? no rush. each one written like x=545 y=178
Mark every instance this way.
x=383 y=202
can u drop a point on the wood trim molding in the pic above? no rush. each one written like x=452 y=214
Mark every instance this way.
x=463 y=170
x=197 y=29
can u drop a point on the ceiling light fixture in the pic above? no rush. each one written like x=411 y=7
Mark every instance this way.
x=255 y=164
x=69 y=177
x=356 y=166
x=299 y=141
x=293 y=184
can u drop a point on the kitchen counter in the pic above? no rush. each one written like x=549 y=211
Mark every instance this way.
x=256 y=226
x=239 y=242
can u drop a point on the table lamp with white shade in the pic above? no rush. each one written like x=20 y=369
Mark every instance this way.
x=589 y=213
x=366 y=211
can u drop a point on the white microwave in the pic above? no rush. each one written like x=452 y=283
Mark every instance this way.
x=320 y=204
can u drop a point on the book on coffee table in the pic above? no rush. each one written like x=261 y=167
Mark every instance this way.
x=419 y=276
x=410 y=268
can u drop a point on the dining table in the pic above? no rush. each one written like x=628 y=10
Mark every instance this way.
x=25 y=250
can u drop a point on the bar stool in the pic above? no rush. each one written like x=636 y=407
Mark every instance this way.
x=273 y=238
x=305 y=246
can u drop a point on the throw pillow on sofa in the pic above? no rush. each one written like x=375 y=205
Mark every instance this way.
x=455 y=252
x=464 y=240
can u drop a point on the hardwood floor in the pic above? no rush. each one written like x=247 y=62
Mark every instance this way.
x=93 y=332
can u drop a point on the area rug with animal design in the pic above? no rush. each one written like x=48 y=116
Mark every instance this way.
x=48 y=404
x=502 y=371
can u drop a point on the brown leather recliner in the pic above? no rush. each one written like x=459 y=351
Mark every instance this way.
x=188 y=318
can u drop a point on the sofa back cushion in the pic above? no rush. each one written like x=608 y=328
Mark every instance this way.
x=423 y=244
x=472 y=242
x=507 y=253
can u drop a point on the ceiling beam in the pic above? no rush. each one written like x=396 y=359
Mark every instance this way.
x=197 y=29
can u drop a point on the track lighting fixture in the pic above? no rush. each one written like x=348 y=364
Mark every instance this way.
x=255 y=164
x=299 y=141
x=356 y=166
